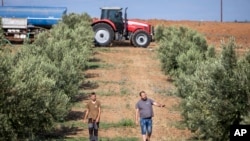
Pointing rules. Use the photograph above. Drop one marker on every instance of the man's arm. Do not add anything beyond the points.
(99, 114)
(86, 115)
(136, 116)
(158, 104)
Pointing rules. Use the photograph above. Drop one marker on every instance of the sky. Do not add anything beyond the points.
(194, 10)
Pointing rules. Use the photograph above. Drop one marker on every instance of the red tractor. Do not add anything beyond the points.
(112, 27)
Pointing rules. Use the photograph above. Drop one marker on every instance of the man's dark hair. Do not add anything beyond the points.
(93, 93)
(141, 92)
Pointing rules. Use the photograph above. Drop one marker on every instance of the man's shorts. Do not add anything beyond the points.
(146, 125)
(93, 124)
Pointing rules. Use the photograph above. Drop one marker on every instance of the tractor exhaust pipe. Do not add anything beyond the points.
(125, 22)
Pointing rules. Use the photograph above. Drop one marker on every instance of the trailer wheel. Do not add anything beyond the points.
(141, 39)
(104, 34)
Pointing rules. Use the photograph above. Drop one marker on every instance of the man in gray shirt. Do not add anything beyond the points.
(144, 110)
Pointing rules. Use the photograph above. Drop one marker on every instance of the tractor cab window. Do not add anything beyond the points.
(115, 16)
(112, 14)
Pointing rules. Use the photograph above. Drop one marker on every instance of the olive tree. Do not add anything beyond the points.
(180, 49)
(216, 95)
(38, 83)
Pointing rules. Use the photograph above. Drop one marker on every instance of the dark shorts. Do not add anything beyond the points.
(146, 125)
(93, 124)
(93, 130)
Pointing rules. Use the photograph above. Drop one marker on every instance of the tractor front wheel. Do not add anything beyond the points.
(141, 39)
(104, 34)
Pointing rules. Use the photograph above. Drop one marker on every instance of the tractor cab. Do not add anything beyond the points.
(114, 14)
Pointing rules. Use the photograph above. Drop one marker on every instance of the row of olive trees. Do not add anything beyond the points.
(38, 82)
(214, 89)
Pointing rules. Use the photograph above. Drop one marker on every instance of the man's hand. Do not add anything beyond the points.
(136, 122)
(160, 105)
(84, 121)
(97, 120)
(136, 116)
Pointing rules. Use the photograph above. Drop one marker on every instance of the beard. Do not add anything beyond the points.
(144, 99)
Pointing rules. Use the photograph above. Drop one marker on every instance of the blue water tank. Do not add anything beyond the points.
(36, 16)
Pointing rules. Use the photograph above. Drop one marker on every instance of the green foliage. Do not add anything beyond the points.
(73, 20)
(35, 103)
(248, 57)
(5, 71)
(181, 49)
(188, 62)
(126, 123)
(38, 83)
(122, 123)
(215, 91)
(216, 95)
(229, 60)
(159, 32)
(5, 90)
(69, 46)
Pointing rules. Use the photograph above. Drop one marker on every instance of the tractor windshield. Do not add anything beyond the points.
(114, 15)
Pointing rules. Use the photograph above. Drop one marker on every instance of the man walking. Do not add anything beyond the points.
(93, 114)
(145, 110)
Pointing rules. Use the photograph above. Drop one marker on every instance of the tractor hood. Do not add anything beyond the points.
(135, 23)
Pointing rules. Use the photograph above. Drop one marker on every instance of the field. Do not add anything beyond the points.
(215, 32)
(119, 72)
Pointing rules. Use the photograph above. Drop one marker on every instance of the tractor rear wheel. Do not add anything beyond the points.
(104, 34)
(141, 39)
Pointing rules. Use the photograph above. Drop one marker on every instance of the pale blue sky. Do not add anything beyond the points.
(206, 10)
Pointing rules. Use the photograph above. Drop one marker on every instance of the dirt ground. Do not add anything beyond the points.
(128, 70)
